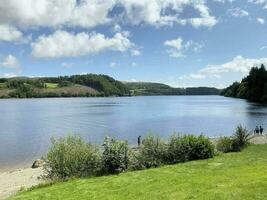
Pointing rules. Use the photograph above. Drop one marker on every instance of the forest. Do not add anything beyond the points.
(253, 87)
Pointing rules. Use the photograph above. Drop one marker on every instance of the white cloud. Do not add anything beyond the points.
(261, 20)
(10, 62)
(177, 47)
(9, 33)
(238, 65)
(91, 13)
(153, 12)
(238, 12)
(66, 44)
(54, 13)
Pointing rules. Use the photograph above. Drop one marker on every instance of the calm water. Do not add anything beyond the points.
(26, 125)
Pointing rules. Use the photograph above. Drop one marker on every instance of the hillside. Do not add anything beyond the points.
(148, 88)
(253, 87)
(64, 86)
(89, 85)
(229, 176)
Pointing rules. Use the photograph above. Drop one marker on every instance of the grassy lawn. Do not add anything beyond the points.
(51, 85)
(228, 176)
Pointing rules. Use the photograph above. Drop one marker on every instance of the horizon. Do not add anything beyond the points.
(179, 43)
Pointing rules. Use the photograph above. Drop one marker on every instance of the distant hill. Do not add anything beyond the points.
(253, 87)
(89, 85)
(65, 86)
(147, 88)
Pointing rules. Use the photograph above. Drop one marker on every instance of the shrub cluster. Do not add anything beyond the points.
(73, 157)
(235, 143)
(183, 148)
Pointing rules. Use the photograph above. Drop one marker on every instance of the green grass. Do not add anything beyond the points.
(51, 85)
(227, 176)
(2, 85)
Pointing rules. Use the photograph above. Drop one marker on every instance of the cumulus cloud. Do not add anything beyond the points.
(238, 12)
(85, 13)
(66, 44)
(91, 13)
(239, 64)
(154, 12)
(9, 33)
(10, 62)
(177, 47)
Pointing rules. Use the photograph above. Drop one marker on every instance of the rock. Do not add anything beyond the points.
(38, 163)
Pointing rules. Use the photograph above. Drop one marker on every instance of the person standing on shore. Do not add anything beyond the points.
(257, 130)
(261, 130)
(139, 141)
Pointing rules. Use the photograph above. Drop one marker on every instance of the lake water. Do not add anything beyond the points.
(26, 125)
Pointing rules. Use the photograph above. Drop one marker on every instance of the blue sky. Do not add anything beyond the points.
(177, 42)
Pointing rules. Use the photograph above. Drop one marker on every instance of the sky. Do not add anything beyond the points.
(177, 42)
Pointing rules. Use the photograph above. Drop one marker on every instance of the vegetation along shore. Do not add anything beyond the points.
(72, 157)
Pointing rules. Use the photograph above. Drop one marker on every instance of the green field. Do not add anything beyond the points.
(227, 176)
(51, 85)
(2, 85)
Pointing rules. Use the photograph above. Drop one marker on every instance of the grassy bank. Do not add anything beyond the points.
(227, 176)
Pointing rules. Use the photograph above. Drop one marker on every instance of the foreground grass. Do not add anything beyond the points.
(228, 176)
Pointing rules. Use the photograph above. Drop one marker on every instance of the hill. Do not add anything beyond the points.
(234, 176)
(253, 87)
(89, 85)
(148, 88)
(63, 86)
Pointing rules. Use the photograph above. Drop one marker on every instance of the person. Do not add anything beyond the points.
(139, 140)
(257, 130)
(261, 130)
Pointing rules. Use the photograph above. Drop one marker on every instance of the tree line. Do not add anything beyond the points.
(253, 87)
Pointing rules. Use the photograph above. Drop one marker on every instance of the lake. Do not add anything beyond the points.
(26, 125)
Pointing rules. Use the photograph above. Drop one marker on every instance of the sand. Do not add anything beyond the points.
(13, 181)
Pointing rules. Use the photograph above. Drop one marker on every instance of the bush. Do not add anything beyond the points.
(225, 144)
(152, 152)
(71, 157)
(189, 147)
(241, 138)
(115, 156)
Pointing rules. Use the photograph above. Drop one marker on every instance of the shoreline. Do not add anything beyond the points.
(12, 180)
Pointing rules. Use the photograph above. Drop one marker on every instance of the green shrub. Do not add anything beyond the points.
(152, 152)
(71, 157)
(225, 144)
(115, 156)
(183, 148)
(241, 138)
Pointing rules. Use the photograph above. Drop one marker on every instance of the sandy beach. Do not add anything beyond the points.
(13, 181)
